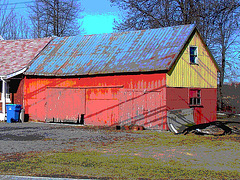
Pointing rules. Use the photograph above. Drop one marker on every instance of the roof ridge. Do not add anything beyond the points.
(129, 31)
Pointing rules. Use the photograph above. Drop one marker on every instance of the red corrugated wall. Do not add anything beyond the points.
(178, 98)
(105, 100)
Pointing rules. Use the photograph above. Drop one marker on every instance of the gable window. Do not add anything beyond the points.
(195, 97)
(193, 55)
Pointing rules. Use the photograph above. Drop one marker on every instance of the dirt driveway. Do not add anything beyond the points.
(88, 151)
(29, 137)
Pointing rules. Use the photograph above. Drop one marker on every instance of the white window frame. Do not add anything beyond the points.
(193, 55)
(196, 100)
(8, 99)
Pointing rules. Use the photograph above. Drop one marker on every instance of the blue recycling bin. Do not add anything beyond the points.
(13, 112)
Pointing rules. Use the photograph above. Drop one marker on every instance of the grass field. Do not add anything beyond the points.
(161, 155)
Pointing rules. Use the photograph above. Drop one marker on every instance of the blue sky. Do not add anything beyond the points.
(98, 14)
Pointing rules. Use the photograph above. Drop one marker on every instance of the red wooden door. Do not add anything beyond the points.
(197, 114)
(102, 106)
(155, 110)
(64, 104)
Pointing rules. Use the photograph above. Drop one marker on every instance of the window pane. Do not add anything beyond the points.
(194, 97)
(193, 93)
(191, 101)
(198, 101)
(192, 59)
(193, 54)
(191, 50)
(198, 93)
(195, 51)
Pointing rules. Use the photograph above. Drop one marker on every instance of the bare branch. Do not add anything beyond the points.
(55, 17)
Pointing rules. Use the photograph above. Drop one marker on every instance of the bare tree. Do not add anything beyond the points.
(217, 21)
(55, 18)
(225, 40)
(5, 17)
(12, 25)
(148, 14)
(18, 28)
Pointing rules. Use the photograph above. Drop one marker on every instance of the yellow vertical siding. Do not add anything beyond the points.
(184, 74)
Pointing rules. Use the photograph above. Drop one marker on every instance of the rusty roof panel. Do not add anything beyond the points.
(17, 54)
(134, 51)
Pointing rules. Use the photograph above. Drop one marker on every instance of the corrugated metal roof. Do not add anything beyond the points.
(17, 54)
(134, 51)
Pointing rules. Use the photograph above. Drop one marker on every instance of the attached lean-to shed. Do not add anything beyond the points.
(15, 55)
(123, 78)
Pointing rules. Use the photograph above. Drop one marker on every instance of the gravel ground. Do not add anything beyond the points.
(29, 137)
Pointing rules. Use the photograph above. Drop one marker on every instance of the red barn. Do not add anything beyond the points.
(123, 78)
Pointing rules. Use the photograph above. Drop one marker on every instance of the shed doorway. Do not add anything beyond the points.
(65, 104)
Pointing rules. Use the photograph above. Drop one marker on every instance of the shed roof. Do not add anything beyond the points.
(15, 55)
(133, 51)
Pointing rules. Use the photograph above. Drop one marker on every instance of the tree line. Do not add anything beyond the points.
(217, 21)
(45, 18)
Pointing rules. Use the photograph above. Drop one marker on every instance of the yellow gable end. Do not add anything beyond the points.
(202, 74)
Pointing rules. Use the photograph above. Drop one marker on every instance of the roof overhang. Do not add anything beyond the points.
(13, 74)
